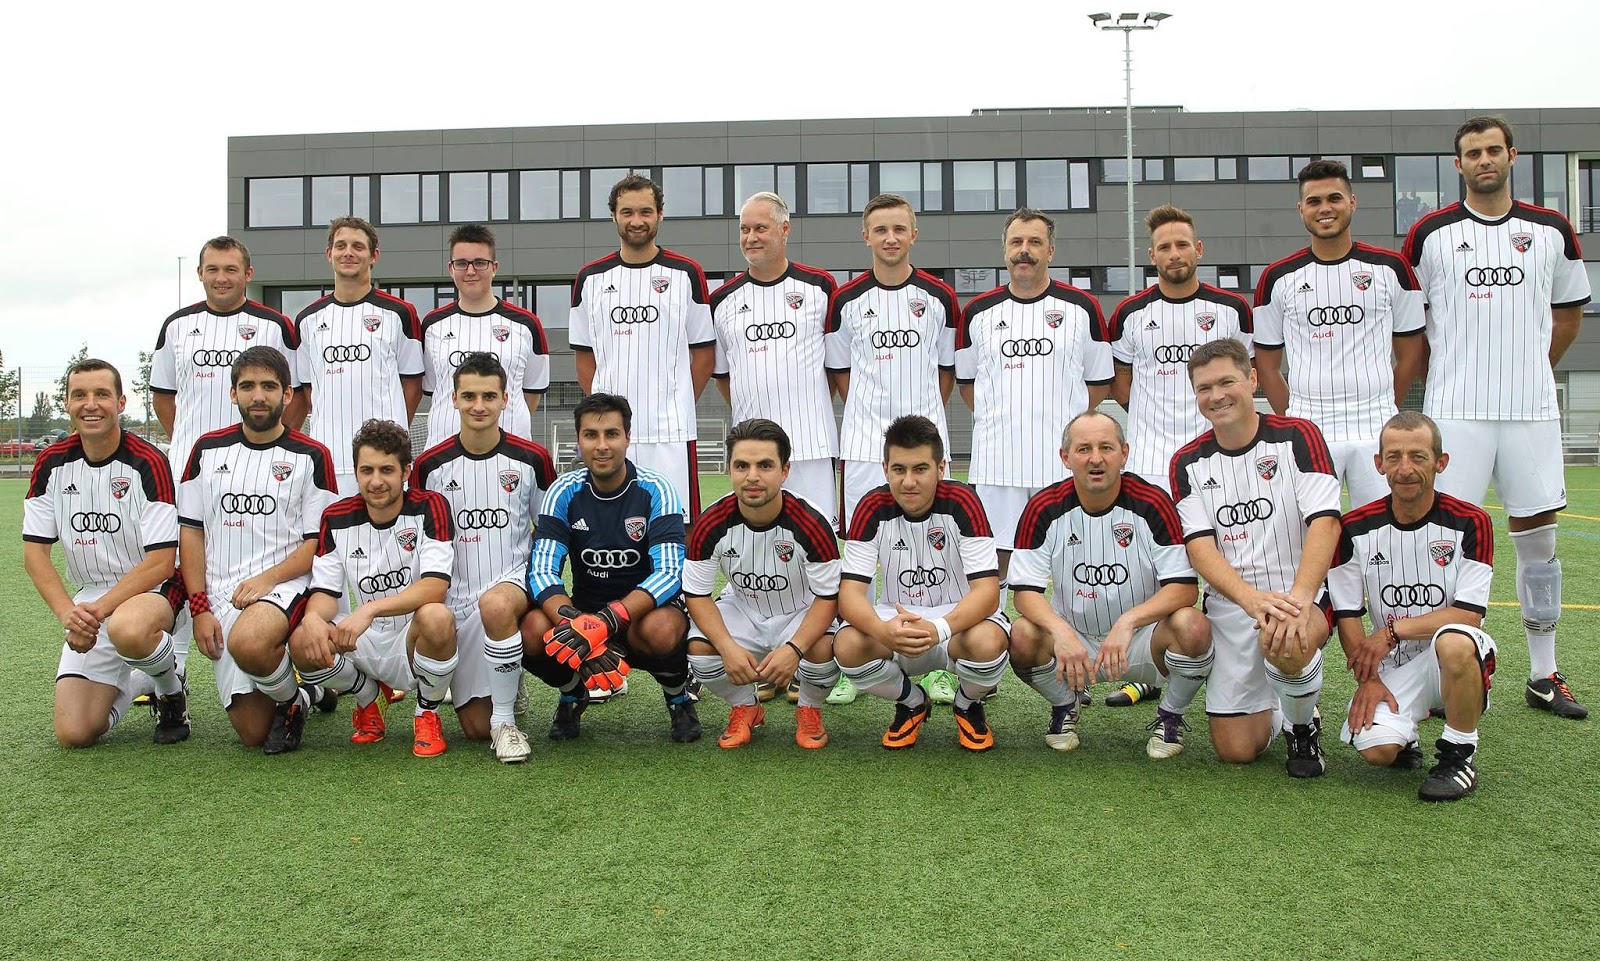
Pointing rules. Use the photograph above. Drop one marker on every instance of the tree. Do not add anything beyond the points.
(146, 360)
(61, 385)
(10, 390)
(39, 420)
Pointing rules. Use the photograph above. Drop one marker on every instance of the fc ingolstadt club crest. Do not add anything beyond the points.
(407, 539)
(1123, 533)
(784, 550)
(634, 527)
(1267, 467)
(510, 480)
(936, 538)
(1442, 552)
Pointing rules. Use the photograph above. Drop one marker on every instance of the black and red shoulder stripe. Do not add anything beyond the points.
(1043, 509)
(873, 509)
(1310, 449)
(431, 459)
(153, 468)
(1478, 539)
(1153, 504)
(962, 503)
(810, 527)
(711, 525)
(409, 322)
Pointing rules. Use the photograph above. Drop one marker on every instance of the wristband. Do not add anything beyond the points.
(1394, 639)
(199, 604)
(796, 648)
(942, 626)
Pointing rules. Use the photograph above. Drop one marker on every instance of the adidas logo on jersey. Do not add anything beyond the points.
(70, 489)
(1073, 541)
(323, 325)
(744, 308)
(730, 552)
(1378, 560)
(449, 335)
(1465, 248)
(1304, 289)
(221, 470)
(870, 313)
(1152, 325)
(195, 332)
(1210, 484)
(452, 486)
(610, 289)
(582, 525)
(358, 552)
(900, 545)
(1002, 325)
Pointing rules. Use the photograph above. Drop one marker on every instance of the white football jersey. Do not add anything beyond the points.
(640, 321)
(770, 350)
(353, 356)
(381, 560)
(893, 341)
(1030, 363)
(772, 571)
(1490, 285)
(926, 561)
(1155, 336)
(512, 334)
(1103, 565)
(1336, 323)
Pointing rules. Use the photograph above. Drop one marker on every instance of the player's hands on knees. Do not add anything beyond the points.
(741, 666)
(82, 620)
(778, 667)
(348, 631)
(250, 590)
(208, 634)
(1264, 606)
(577, 638)
(1072, 656)
(910, 634)
(313, 644)
(1113, 656)
(1369, 655)
(1364, 706)
(605, 671)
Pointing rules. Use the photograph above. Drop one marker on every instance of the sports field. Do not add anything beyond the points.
(625, 845)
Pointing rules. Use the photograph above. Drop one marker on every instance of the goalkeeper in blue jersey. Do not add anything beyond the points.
(621, 526)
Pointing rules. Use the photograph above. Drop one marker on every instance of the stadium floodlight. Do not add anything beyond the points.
(1127, 23)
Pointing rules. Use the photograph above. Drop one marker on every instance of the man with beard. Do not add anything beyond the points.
(640, 327)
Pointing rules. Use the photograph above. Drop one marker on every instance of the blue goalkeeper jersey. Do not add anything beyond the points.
(630, 538)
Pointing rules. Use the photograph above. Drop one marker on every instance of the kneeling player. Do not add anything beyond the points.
(782, 564)
(1123, 607)
(939, 609)
(394, 548)
(1421, 562)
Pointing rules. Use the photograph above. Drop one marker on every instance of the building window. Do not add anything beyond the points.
(1421, 186)
(754, 178)
(292, 301)
(1231, 278)
(1227, 168)
(1190, 170)
(552, 302)
(1269, 168)
(1115, 170)
(333, 197)
(1058, 185)
(837, 188)
(479, 196)
(1553, 182)
(550, 194)
(693, 191)
(985, 184)
(920, 183)
(277, 202)
(408, 198)
(1372, 168)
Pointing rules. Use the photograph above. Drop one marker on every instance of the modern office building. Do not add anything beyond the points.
(543, 190)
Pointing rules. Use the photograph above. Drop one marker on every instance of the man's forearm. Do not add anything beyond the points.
(1169, 599)
(146, 576)
(1322, 538)
(1219, 575)
(982, 600)
(46, 579)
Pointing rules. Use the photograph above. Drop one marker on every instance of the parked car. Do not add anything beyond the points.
(13, 448)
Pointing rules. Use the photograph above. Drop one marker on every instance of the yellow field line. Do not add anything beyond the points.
(1564, 607)
(1581, 517)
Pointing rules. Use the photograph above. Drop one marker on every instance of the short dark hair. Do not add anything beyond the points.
(1223, 347)
(90, 364)
(759, 428)
(604, 404)
(635, 182)
(1028, 213)
(911, 431)
(353, 223)
(1413, 420)
(224, 243)
(471, 234)
(1483, 125)
(481, 363)
(383, 436)
(1167, 214)
(265, 358)
(1324, 170)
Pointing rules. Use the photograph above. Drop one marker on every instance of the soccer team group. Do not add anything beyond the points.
(309, 566)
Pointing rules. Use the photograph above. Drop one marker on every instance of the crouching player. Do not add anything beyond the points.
(775, 617)
(394, 548)
(1124, 597)
(939, 609)
(493, 482)
(1420, 561)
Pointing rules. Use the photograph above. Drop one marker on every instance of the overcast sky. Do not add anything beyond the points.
(118, 114)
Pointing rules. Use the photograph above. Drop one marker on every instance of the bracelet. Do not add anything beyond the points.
(1394, 639)
(199, 604)
(796, 648)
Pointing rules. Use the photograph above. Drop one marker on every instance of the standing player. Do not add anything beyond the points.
(480, 321)
(494, 482)
(775, 617)
(107, 496)
(622, 527)
(1124, 596)
(1260, 508)
(249, 502)
(394, 549)
(1421, 563)
(360, 349)
(769, 323)
(1030, 356)
(938, 609)
(641, 327)
(1153, 334)
(1506, 286)
(1339, 309)
(890, 344)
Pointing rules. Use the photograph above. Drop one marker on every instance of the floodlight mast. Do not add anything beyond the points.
(1127, 23)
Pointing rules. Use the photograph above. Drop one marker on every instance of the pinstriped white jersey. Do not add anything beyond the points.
(1103, 565)
(107, 516)
(639, 321)
(1395, 570)
(512, 334)
(194, 358)
(893, 341)
(926, 561)
(1336, 323)
(1490, 286)
(1155, 336)
(493, 500)
(256, 502)
(770, 349)
(1030, 363)
(772, 571)
(381, 560)
(353, 356)
(1257, 501)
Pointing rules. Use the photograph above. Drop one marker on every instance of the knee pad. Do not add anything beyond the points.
(1539, 591)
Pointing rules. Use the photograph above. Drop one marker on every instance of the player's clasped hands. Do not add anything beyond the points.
(82, 624)
(778, 667)
(314, 647)
(910, 634)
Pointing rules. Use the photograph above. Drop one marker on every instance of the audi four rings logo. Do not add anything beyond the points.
(1494, 276)
(608, 560)
(1028, 347)
(94, 523)
(1100, 575)
(457, 356)
(759, 582)
(476, 520)
(1412, 595)
(387, 581)
(215, 358)
(924, 577)
(346, 353)
(1237, 515)
(635, 315)
(895, 338)
(1174, 353)
(778, 331)
(261, 505)
(1329, 316)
